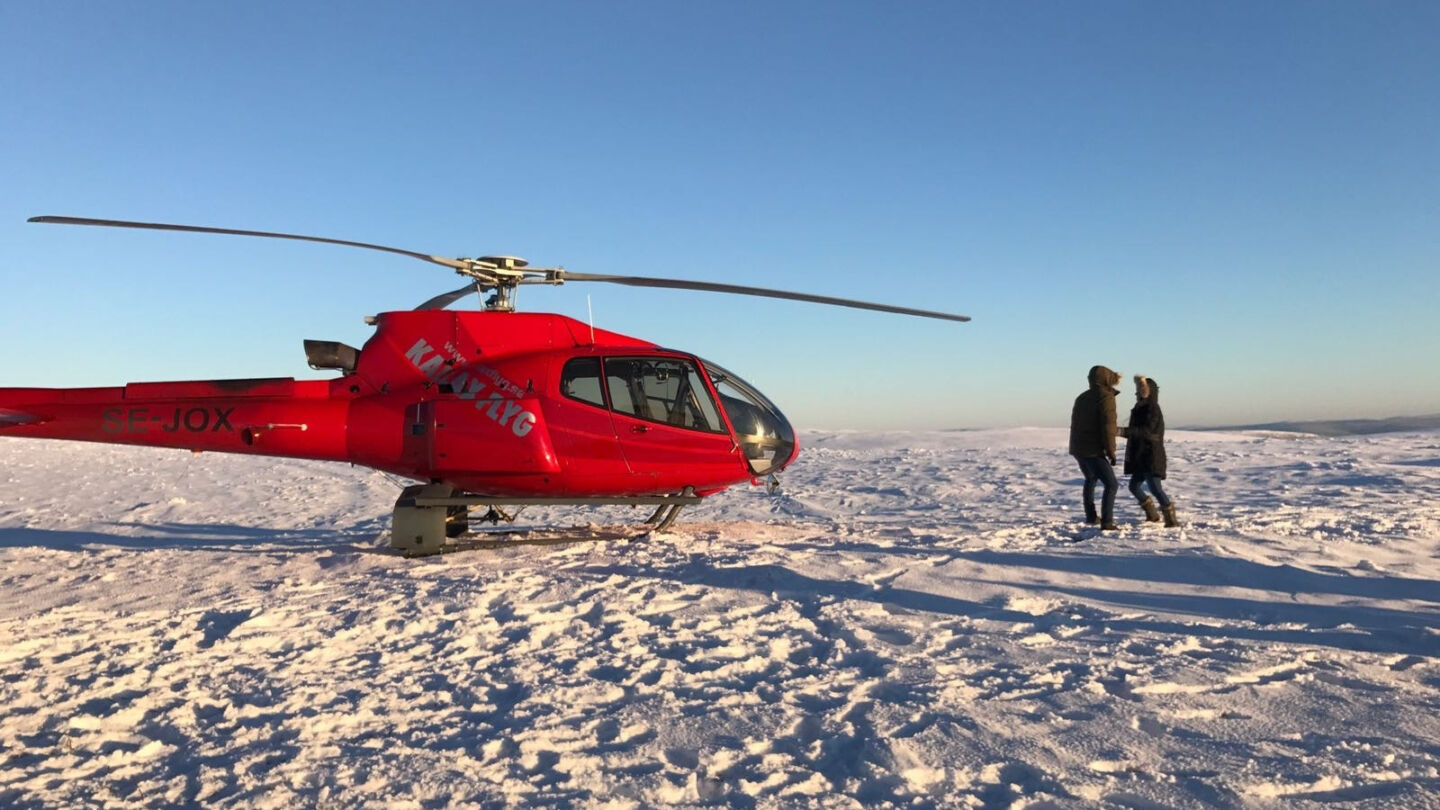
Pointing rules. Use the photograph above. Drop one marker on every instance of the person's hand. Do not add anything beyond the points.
(1112, 459)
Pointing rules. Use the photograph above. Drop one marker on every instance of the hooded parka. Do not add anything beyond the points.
(1145, 436)
(1092, 420)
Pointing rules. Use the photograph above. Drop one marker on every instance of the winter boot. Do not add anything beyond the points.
(1171, 522)
(1091, 518)
(1152, 514)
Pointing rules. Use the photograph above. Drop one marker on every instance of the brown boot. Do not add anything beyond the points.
(1171, 522)
(1152, 513)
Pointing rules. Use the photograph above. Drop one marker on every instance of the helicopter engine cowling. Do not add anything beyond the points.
(500, 447)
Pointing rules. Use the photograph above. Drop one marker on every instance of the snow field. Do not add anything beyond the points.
(910, 623)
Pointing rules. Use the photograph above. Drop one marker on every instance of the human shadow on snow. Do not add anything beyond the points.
(790, 585)
(1346, 627)
(1206, 571)
(1218, 572)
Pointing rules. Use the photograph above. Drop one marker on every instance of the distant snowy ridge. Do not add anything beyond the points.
(1347, 427)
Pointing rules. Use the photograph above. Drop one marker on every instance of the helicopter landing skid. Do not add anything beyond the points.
(427, 515)
(489, 540)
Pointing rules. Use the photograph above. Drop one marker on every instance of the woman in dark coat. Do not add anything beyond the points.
(1145, 452)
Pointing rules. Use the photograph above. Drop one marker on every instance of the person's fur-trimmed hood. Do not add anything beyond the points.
(1100, 376)
(1147, 388)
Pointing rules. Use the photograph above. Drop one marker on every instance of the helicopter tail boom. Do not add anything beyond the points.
(278, 417)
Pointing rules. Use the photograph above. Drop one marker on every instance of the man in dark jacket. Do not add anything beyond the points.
(1092, 443)
(1145, 452)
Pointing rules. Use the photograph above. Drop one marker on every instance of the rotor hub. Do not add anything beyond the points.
(506, 262)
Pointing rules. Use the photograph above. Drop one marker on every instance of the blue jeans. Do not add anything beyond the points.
(1145, 479)
(1099, 469)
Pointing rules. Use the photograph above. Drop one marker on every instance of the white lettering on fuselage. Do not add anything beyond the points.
(495, 399)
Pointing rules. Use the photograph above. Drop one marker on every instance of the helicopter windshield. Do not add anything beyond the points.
(762, 431)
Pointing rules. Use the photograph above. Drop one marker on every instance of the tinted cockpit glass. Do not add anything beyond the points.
(661, 389)
(580, 380)
(762, 431)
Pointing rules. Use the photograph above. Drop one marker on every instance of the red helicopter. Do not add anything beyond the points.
(490, 408)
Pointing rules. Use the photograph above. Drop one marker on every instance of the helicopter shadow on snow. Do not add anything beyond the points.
(207, 537)
(1356, 628)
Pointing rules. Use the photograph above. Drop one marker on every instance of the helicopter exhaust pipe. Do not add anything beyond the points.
(12, 418)
(23, 407)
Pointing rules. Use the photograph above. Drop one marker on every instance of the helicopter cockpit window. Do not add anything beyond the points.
(580, 379)
(662, 389)
(763, 432)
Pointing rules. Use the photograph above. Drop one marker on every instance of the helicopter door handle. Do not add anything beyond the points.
(639, 429)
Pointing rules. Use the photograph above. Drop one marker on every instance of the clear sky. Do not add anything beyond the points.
(1241, 200)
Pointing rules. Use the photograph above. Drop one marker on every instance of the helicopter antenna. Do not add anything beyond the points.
(591, 313)
(502, 275)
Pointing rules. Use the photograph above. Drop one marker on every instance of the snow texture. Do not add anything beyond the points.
(911, 622)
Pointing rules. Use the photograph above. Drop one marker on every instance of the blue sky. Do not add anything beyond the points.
(1238, 199)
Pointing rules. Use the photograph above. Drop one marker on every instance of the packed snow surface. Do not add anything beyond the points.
(916, 620)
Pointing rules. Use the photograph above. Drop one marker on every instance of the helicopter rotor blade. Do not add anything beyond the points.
(161, 226)
(706, 286)
(508, 277)
(444, 300)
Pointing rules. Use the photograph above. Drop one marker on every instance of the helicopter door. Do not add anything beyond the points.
(669, 427)
(582, 430)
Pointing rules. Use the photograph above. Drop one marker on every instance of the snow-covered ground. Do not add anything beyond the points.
(909, 623)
